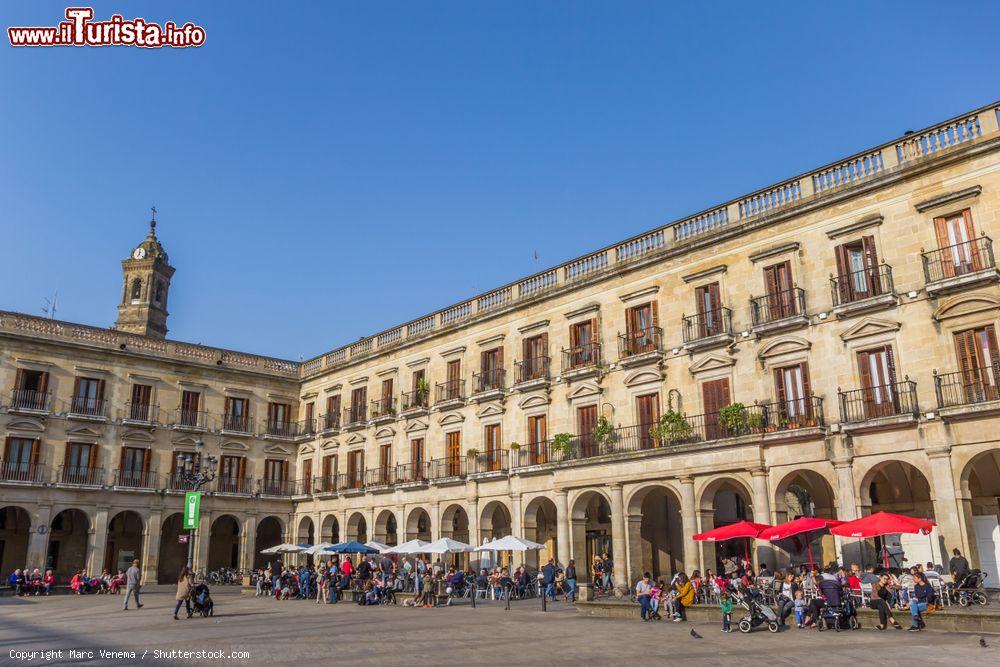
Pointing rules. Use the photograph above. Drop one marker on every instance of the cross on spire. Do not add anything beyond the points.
(152, 223)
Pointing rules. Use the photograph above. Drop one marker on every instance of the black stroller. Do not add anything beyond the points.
(201, 601)
(971, 589)
(757, 611)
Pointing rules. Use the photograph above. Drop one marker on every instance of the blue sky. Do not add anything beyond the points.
(333, 169)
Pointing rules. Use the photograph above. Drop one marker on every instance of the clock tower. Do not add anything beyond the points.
(147, 273)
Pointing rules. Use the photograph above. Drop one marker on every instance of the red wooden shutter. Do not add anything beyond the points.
(941, 230)
(43, 382)
(595, 340)
(100, 393)
(574, 336)
(146, 456)
(655, 310)
(18, 379)
(864, 370)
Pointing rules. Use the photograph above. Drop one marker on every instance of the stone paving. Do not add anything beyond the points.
(303, 633)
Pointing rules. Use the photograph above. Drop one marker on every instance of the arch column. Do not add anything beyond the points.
(634, 560)
(151, 547)
(202, 538)
(948, 511)
(38, 542)
(847, 505)
(563, 551)
(435, 521)
(516, 526)
(400, 526)
(247, 540)
(689, 523)
(474, 537)
(619, 538)
(98, 541)
(706, 522)
(762, 514)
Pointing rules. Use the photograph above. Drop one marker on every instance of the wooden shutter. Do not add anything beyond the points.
(779, 386)
(100, 394)
(43, 382)
(864, 370)
(595, 341)
(655, 310)
(146, 456)
(574, 336)
(19, 379)
(941, 230)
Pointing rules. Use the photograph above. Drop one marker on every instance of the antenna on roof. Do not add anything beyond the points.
(50, 306)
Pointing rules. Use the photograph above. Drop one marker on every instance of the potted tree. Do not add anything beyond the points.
(604, 433)
(561, 443)
(672, 427)
(734, 418)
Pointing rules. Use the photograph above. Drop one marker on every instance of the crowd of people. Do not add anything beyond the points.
(23, 583)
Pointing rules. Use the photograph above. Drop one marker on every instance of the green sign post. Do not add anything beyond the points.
(192, 505)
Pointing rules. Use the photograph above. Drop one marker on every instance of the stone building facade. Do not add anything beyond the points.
(825, 346)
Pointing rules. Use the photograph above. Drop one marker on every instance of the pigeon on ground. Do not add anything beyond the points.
(982, 642)
(695, 634)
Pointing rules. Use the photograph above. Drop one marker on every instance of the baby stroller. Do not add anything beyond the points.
(201, 601)
(971, 589)
(757, 611)
(843, 616)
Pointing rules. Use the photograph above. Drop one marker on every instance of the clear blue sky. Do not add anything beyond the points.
(333, 169)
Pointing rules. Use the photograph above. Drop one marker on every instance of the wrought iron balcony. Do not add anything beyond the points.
(970, 387)
(327, 484)
(450, 390)
(234, 485)
(383, 407)
(582, 357)
(959, 265)
(448, 467)
(778, 307)
(862, 285)
(380, 476)
(135, 479)
(278, 487)
(355, 415)
(83, 406)
(408, 473)
(490, 379)
(532, 369)
(415, 400)
(140, 413)
(640, 342)
(330, 421)
(193, 420)
(29, 400)
(237, 423)
(20, 471)
(351, 481)
(179, 482)
(890, 400)
(707, 326)
(80, 476)
(277, 428)
(495, 460)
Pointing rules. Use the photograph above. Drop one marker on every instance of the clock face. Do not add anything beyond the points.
(139, 253)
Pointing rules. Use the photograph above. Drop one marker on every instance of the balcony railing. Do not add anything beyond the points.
(135, 479)
(889, 400)
(383, 407)
(190, 419)
(415, 400)
(976, 385)
(233, 485)
(419, 471)
(177, 482)
(327, 484)
(959, 260)
(381, 476)
(584, 356)
(330, 421)
(354, 415)
(532, 368)
(450, 390)
(29, 399)
(707, 324)
(861, 285)
(277, 487)
(348, 481)
(237, 423)
(19, 471)
(450, 466)
(142, 413)
(490, 379)
(282, 429)
(640, 341)
(80, 475)
(495, 460)
(778, 306)
(88, 407)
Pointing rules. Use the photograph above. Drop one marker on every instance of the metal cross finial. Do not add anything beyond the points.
(152, 223)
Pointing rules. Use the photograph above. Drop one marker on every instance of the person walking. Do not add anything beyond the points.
(133, 580)
(185, 584)
(549, 578)
(608, 566)
(571, 582)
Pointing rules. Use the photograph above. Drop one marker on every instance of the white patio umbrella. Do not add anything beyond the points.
(446, 545)
(378, 546)
(283, 549)
(489, 554)
(317, 548)
(411, 547)
(511, 543)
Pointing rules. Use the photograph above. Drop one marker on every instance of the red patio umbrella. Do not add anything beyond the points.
(803, 525)
(883, 523)
(733, 531)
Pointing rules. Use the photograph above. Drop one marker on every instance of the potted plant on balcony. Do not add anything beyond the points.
(514, 446)
(755, 420)
(561, 443)
(472, 452)
(604, 433)
(672, 427)
(734, 418)
(423, 391)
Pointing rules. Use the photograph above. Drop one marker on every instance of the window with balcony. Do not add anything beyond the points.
(358, 409)
(310, 421)
(584, 345)
(419, 394)
(237, 416)
(491, 371)
(535, 364)
(140, 408)
(795, 407)
(879, 395)
(355, 468)
(491, 439)
(279, 419)
(190, 413)
(385, 405)
(329, 481)
(331, 420)
(232, 474)
(306, 476)
(88, 397)
(80, 464)
(453, 388)
(133, 468)
(586, 420)
(384, 464)
(20, 460)
(647, 408)
(30, 390)
(537, 436)
(453, 452)
(958, 250)
(715, 396)
(177, 481)
(709, 304)
(642, 330)
(979, 368)
(275, 477)
(858, 274)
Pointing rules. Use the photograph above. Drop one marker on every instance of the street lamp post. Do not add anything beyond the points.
(195, 474)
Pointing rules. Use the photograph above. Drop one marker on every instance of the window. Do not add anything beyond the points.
(979, 363)
(586, 420)
(537, 434)
(159, 292)
(136, 290)
(79, 464)
(384, 405)
(709, 304)
(715, 396)
(307, 473)
(332, 417)
(453, 443)
(536, 358)
(355, 468)
(232, 473)
(780, 302)
(237, 416)
(139, 406)
(30, 390)
(956, 237)
(133, 469)
(310, 416)
(641, 333)
(857, 270)
(491, 436)
(359, 397)
(190, 406)
(453, 385)
(647, 409)
(416, 459)
(19, 460)
(794, 402)
(279, 419)
(584, 344)
(88, 397)
(275, 476)
(878, 382)
(384, 463)
(329, 473)
(491, 370)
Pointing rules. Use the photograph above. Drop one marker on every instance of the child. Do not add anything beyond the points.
(655, 594)
(800, 608)
(727, 611)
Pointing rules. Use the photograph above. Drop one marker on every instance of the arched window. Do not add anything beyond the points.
(137, 289)
(159, 291)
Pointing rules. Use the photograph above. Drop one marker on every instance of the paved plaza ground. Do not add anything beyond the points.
(302, 633)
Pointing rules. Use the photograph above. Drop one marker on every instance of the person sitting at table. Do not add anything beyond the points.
(523, 582)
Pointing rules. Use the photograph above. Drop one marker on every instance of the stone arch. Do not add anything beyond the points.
(224, 542)
(590, 530)
(655, 531)
(268, 534)
(330, 529)
(804, 492)
(306, 533)
(980, 485)
(540, 525)
(455, 524)
(69, 534)
(124, 541)
(900, 487)
(357, 527)
(386, 531)
(173, 554)
(15, 534)
(494, 521)
(418, 525)
(724, 500)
